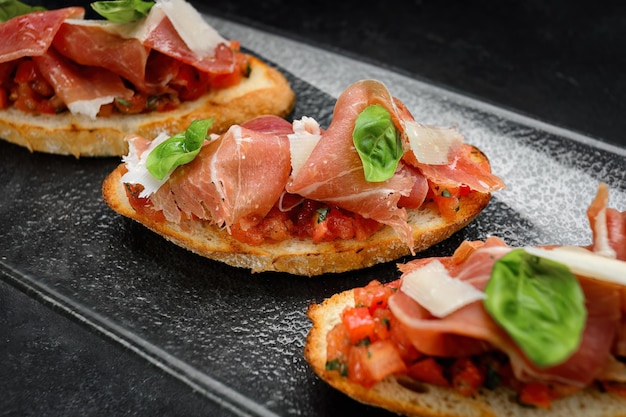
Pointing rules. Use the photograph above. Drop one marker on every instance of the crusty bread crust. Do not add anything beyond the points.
(405, 396)
(266, 91)
(302, 257)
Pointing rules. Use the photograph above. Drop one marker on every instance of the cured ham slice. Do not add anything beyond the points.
(92, 45)
(82, 89)
(462, 171)
(226, 183)
(165, 39)
(334, 171)
(32, 34)
(608, 226)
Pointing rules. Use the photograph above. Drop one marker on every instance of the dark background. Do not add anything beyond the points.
(563, 62)
(560, 62)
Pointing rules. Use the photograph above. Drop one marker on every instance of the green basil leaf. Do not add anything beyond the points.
(378, 143)
(178, 150)
(539, 303)
(12, 8)
(122, 11)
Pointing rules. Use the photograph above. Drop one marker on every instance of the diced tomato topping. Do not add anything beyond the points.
(428, 370)
(536, 394)
(30, 92)
(330, 223)
(338, 344)
(137, 104)
(141, 204)
(276, 226)
(382, 323)
(359, 324)
(447, 198)
(309, 219)
(464, 190)
(373, 296)
(190, 83)
(370, 364)
(466, 376)
(448, 205)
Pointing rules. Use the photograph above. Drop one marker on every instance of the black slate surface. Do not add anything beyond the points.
(558, 63)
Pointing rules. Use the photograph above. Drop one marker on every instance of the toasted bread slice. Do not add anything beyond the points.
(266, 91)
(303, 257)
(405, 396)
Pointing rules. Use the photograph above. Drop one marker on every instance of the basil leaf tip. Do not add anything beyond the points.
(13, 8)
(539, 303)
(178, 150)
(377, 142)
(122, 11)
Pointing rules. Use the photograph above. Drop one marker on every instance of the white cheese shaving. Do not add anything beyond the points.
(306, 136)
(435, 290)
(139, 29)
(197, 34)
(585, 263)
(432, 144)
(136, 165)
(89, 108)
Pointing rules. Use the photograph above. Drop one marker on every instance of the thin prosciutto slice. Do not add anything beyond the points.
(608, 226)
(462, 170)
(79, 86)
(229, 181)
(334, 172)
(32, 34)
(91, 45)
(165, 39)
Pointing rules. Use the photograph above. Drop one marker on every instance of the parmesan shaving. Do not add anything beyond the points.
(435, 290)
(89, 108)
(432, 144)
(585, 263)
(136, 165)
(305, 138)
(201, 38)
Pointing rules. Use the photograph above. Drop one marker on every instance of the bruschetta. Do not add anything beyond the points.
(491, 330)
(274, 195)
(76, 86)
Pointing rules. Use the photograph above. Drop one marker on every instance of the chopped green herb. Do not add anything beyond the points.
(492, 378)
(123, 101)
(364, 342)
(337, 365)
(322, 213)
